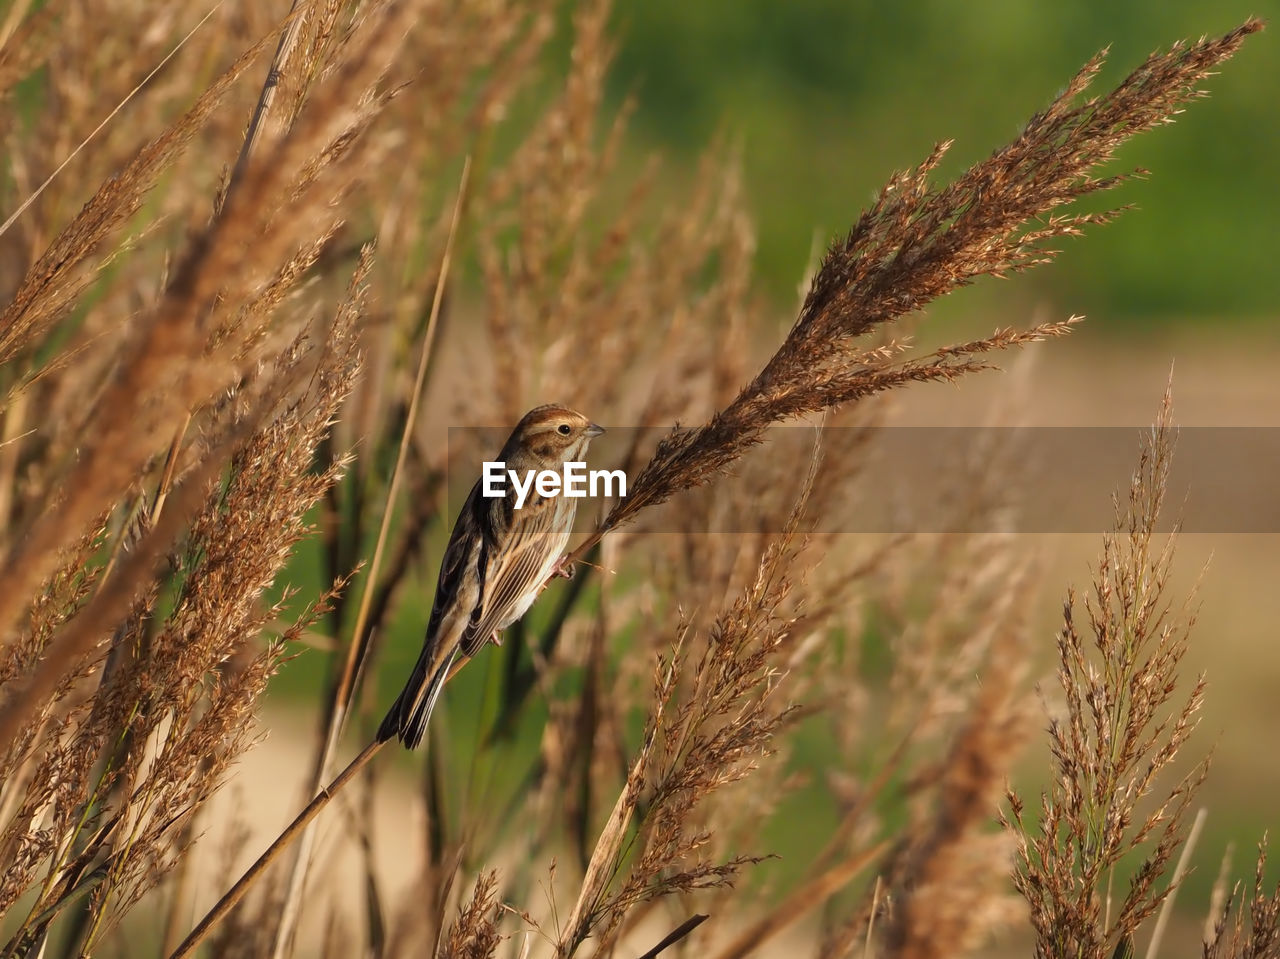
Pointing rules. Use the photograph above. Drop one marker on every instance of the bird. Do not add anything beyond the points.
(495, 563)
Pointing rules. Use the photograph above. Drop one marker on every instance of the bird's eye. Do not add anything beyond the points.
(563, 429)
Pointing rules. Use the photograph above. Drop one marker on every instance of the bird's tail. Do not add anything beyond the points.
(408, 716)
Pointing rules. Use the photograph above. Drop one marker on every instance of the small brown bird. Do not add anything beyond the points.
(498, 557)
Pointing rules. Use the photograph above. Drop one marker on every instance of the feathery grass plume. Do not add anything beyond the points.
(474, 933)
(186, 728)
(157, 773)
(173, 756)
(691, 576)
(1122, 727)
(63, 273)
(181, 355)
(918, 242)
(889, 680)
(695, 743)
(1227, 938)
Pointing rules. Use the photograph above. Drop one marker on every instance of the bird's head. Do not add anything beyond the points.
(552, 434)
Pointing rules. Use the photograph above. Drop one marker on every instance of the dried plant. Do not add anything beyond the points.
(918, 242)
(474, 932)
(230, 318)
(1121, 730)
(691, 747)
(1227, 937)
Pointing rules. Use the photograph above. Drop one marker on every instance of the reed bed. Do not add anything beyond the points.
(252, 268)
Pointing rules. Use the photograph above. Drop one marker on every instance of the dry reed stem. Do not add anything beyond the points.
(291, 832)
(35, 194)
(357, 647)
(1120, 731)
(16, 15)
(1218, 896)
(1179, 870)
(279, 63)
(800, 902)
(608, 847)
(50, 284)
(675, 935)
(1261, 940)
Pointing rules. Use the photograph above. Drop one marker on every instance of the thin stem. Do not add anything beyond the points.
(35, 194)
(267, 96)
(1166, 908)
(807, 897)
(291, 832)
(359, 644)
(283, 50)
(680, 932)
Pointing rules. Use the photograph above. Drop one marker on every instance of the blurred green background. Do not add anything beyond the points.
(826, 98)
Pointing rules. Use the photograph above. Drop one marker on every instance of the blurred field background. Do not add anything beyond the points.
(814, 105)
(823, 99)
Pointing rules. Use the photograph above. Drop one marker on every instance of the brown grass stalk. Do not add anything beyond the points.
(1179, 870)
(799, 903)
(56, 279)
(111, 605)
(919, 242)
(1258, 938)
(291, 832)
(357, 647)
(35, 194)
(1120, 732)
(270, 86)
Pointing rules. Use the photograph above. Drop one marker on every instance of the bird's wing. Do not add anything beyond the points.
(516, 570)
(457, 603)
(461, 583)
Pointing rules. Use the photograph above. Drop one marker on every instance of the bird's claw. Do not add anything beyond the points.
(564, 569)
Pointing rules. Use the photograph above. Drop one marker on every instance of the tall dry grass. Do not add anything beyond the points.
(230, 322)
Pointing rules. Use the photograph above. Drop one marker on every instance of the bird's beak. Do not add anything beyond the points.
(593, 430)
